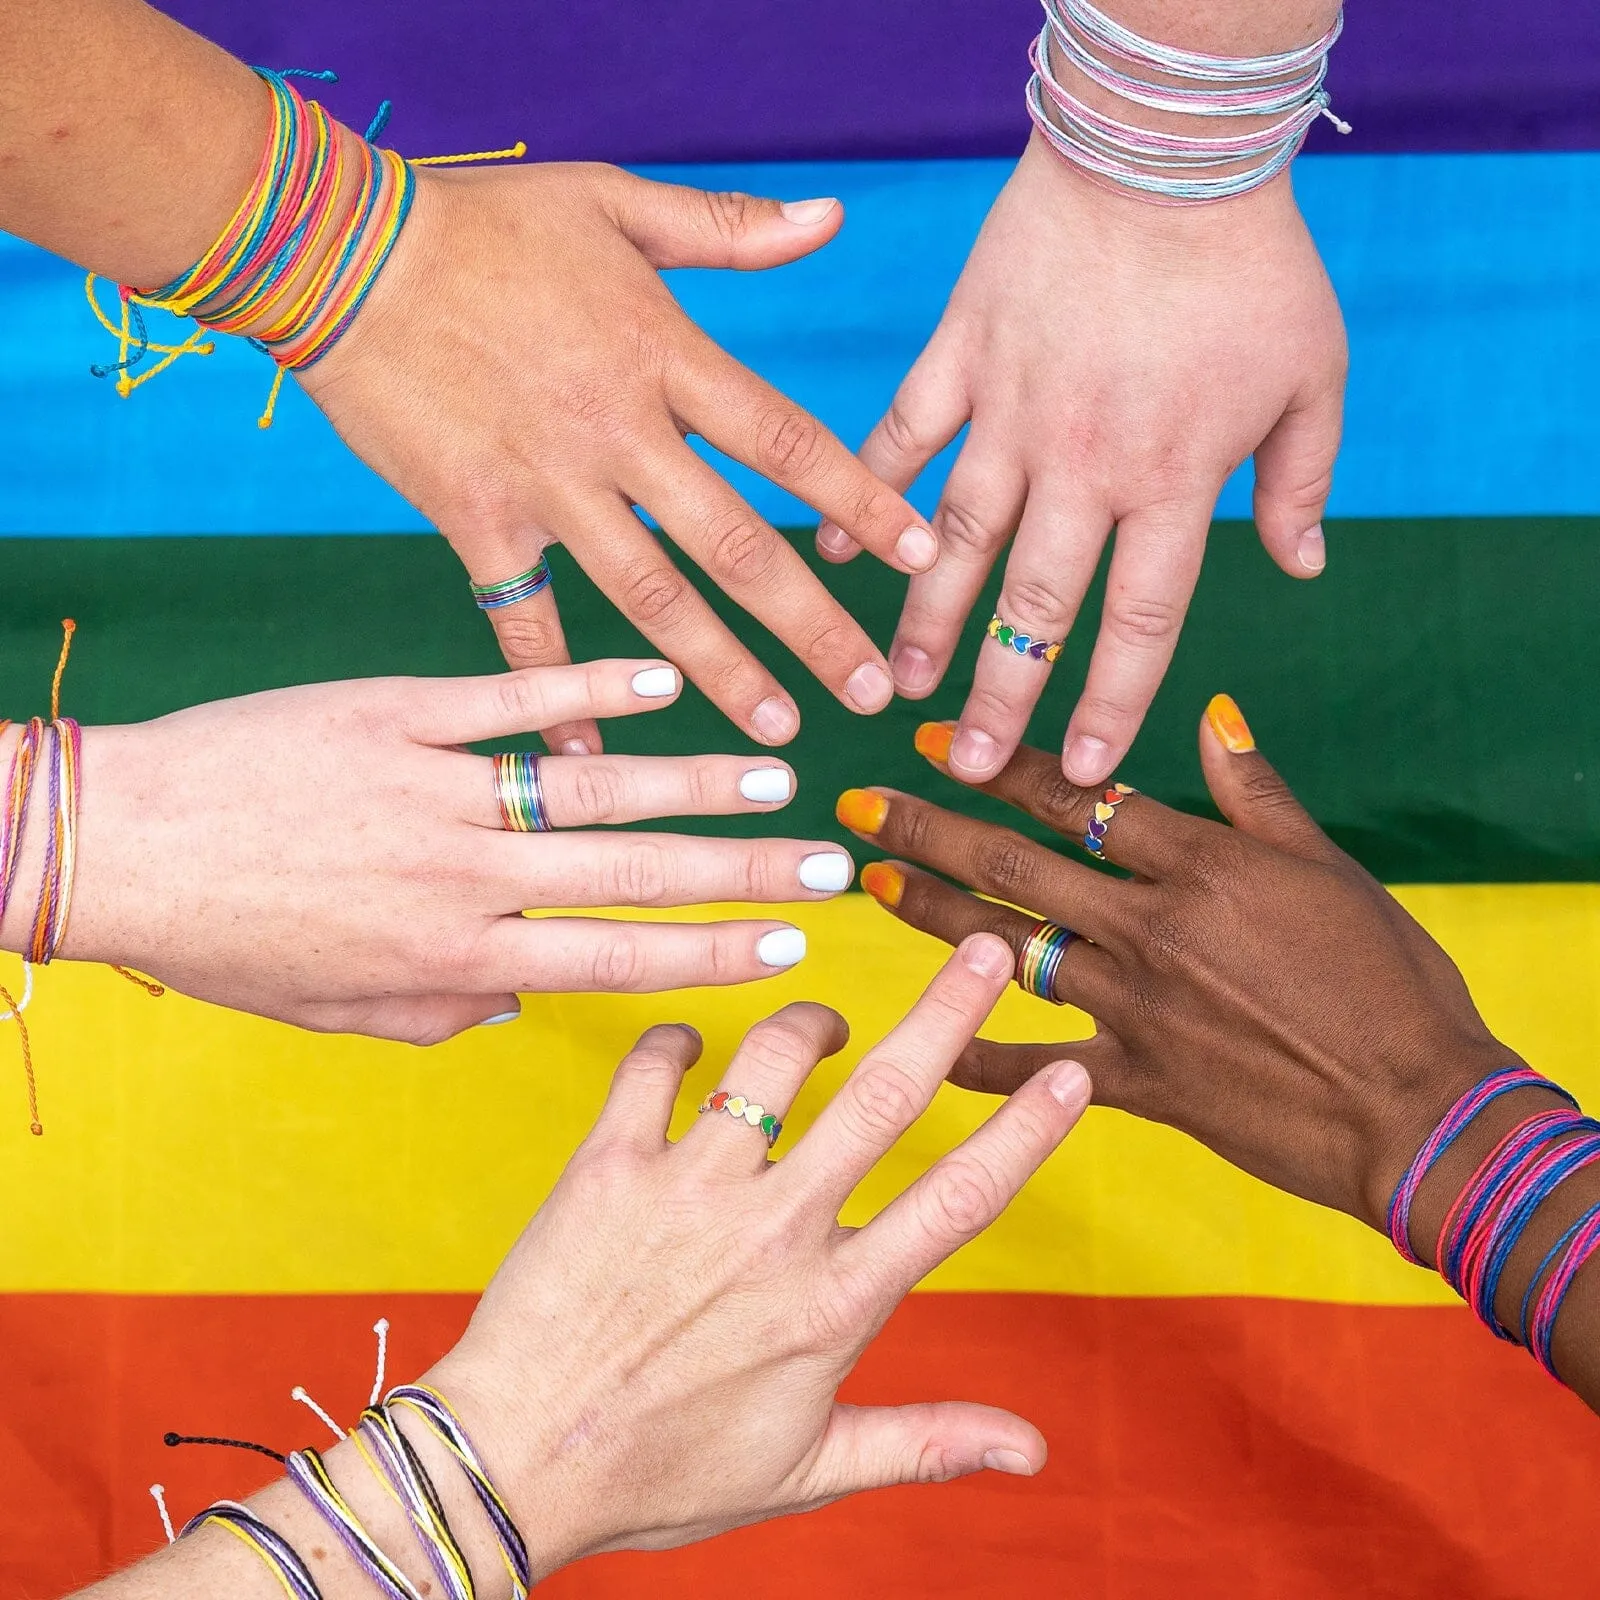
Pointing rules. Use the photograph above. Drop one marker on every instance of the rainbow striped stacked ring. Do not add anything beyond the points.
(1022, 643)
(1040, 960)
(519, 792)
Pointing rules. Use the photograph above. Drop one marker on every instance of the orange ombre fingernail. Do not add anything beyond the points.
(933, 741)
(861, 810)
(1227, 722)
(884, 883)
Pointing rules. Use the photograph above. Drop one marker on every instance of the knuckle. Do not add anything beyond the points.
(728, 212)
(779, 1044)
(601, 793)
(526, 640)
(1007, 866)
(789, 443)
(638, 875)
(882, 1100)
(518, 699)
(902, 433)
(829, 639)
(617, 965)
(1142, 622)
(963, 1197)
(738, 550)
(656, 596)
(961, 530)
(1062, 801)
(1033, 598)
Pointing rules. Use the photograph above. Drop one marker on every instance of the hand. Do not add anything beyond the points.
(1117, 361)
(523, 376)
(657, 1360)
(328, 856)
(1251, 985)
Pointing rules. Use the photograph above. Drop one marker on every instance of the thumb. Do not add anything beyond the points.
(674, 226)
(873, 1447)
(1248, 790)
(1294, 474)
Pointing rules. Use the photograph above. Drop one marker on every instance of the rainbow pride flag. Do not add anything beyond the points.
(1244, 1395)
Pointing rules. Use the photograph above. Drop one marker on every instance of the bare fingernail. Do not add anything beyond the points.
(579, 747)
(1313, 549)
(1087, 760)
(775, 721)
(1068, 1083)
(1227, 722)
(988, 955)
(767, 786)
(886, 884)
(806, 213)
(974, 754)
(869, 688)
(917, 548)
(1011, 1461)
(655, 683)
(832, 539)
(498, 1018)
(783, 947)
(827, 872)
(913, 669)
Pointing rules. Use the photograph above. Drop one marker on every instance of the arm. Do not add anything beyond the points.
(1251, 986)
(1116, 360)
(681, 1380)
(519, 372)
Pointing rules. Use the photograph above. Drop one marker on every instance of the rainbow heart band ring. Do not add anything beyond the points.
(746, 1111)
(1105, 808)
(1039, 649)
(1040, 960)
(520, 793)
(491, 596)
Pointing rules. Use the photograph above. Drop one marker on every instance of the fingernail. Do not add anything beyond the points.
(1313, 549)
(917, 548)
(1088, 760)
(498, 1018)
(1010, 1461)
(767, 786)
(655, 683)
(861, 810)
(827, 872)
(974, 754)
(1068, 1083)
(578, 747)
(833, 539)
(913, 669)
(989, 956)
(934, 739)
(869, 688)
(775, 720)
(884, 883)
(1227, 722)
(804, 213)
(783, 947)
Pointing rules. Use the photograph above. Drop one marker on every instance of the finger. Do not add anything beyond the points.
(930, 408)
(977, 513)
(631, 569)
(452, 711)
(644, 869)
(1086, 976)
(993, 860)
(1051, 566)
(763, 1078)
(961, 1195)
(420, 1019)
(592, 955)
(755, 566)
(588, 791)
(1141, 834)
(897, 1079)
(1248, 790)
(989, 1067)
(1294, 476)
(746, 418)
(676, 226)
(645, 1087)
(1154, 569)
(529, 633)
(874, 1447)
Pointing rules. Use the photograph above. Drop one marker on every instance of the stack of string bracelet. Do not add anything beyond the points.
(1274, 98)
(298, 257)
(1486, 1223)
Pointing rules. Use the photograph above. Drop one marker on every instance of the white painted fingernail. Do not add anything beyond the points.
(655, 683)
(495, 1021)
(827, 872)
(783, 947)
(767, 786)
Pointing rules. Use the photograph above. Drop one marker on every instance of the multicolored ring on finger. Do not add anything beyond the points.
(492, 596)
(1105, 808)
(1040, 960)
(519, 792)
(746, 1111)
(1024, 645)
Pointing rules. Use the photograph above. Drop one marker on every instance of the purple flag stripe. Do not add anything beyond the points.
(759, 80)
